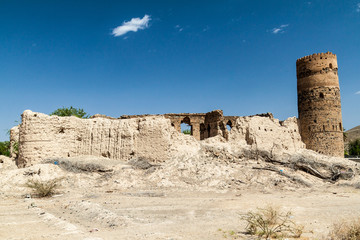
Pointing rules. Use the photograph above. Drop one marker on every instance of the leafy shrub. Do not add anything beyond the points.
(354, 147)
(270, 223)
(5, 148)
(345, 231)
(64, 112)
(187, 131)
(43, 188)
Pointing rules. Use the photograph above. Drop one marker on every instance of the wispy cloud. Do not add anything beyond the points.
(358, 7)
(358, 92)
(205, 29)
(280, 29)
(179, 28)
(133, 25)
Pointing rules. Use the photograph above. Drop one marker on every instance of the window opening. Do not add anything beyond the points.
(229, 125)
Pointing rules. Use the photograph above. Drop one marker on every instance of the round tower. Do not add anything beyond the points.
(319, 104)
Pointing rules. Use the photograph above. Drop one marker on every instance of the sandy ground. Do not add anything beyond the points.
(100, 213)
(185, 198)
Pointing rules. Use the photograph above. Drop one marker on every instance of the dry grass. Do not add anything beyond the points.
(349, 230)
(269, 223)
(43, 188)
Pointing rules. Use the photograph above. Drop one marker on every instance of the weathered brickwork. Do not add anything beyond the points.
(319, 104)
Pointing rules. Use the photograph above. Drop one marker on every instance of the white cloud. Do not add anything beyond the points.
(279, 29)
(205, 29)
(358, 92)
(179, 28)
(133, 25)
(358, 7)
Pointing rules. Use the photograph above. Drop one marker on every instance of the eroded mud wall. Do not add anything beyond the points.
(43, 136)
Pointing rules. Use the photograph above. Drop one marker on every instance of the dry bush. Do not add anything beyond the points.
(346, 231)
(270, 223)
(43, 188)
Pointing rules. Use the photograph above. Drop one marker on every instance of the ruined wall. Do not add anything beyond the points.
(266, 133)
(43, 136)
(214, 124)
(193, 119)
(151, 137)
(319, 103)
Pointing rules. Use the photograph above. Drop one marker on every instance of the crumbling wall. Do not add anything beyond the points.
(214, 124)
(151, 137)
(43, 136)
(261, 133)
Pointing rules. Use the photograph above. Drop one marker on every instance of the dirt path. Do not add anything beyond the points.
(111, 214)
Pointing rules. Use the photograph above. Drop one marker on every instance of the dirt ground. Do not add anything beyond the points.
(196, 197)
(167, 213)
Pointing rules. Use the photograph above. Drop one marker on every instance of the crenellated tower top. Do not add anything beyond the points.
(317, 56)
(311, 71)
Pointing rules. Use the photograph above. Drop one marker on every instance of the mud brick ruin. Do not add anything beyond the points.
(319, 104)
(202, 125)
(156, 137)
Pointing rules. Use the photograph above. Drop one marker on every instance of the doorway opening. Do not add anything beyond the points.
(186, 127)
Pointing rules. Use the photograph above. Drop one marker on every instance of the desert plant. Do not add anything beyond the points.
(270, 223)
(345, 230)
(71, 111)
(43, 188)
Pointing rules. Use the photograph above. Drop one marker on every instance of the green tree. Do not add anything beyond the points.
(71, 111)
(187, 131)
(5, 148)
(354, 147)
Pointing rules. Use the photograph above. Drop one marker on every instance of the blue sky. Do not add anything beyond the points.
(179, 56)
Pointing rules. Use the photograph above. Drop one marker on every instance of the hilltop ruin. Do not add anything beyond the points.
(155, 137)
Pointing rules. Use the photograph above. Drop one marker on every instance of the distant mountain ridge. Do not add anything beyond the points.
(353, 134)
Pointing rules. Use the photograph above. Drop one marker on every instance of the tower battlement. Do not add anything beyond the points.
(317, 70)
(317, 56)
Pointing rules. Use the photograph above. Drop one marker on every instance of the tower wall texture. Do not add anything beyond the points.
(319, 104)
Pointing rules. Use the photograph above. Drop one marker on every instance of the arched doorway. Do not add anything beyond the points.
(186, 126)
